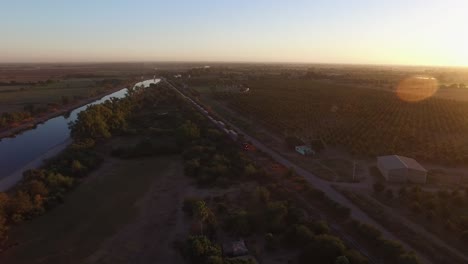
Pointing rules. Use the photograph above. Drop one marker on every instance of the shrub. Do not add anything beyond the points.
(355, 257)
(200, 249)
(391, 250)
(408, 258)
(324, 249)
(239, 223)
(320, 227)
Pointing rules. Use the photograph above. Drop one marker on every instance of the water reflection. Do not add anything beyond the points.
(18, 151)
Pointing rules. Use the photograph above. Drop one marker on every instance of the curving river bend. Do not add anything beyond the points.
(28, 149)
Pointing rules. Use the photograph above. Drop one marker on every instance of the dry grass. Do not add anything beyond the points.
(98, 210)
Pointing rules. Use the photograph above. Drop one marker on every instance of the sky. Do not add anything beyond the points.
(402, 32)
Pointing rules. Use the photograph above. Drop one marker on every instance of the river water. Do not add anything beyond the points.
(26, 149)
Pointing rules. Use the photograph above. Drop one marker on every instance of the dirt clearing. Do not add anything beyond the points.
(129, 211)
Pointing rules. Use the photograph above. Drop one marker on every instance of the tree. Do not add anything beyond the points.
(324, 249)
(57, 182)
(3, 203)
(36, 187)
(320, 227)
(215, 260)
(369, 232)
(391, 250)
(240, 223)
(188, 131)
(408, 258)
(262, 195)
(77, 168)
(3, 229)
(271, 241)
(342, 260)
(20, 206)
(192, 167)
(355, 257)
(200, 249)
(275, 215)
(302, 235)
(250, 170)
(202, 212)
(92, 124)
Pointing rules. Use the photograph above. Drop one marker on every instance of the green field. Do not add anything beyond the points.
(94, 212)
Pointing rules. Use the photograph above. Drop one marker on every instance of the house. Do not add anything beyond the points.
(304, 150)
(397, 168)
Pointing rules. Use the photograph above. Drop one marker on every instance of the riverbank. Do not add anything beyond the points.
(12, 179)
(13, 131)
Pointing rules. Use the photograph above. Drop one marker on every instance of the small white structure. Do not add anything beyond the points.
(304, 150)
(401, 169)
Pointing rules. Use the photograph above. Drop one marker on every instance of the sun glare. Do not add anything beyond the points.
(417, 88)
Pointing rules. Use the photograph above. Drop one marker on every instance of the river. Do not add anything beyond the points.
(28, 149)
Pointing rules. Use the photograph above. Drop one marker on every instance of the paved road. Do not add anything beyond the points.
(318, 183)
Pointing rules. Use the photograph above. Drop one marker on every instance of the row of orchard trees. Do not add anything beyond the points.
(266, 211)
(367, 122)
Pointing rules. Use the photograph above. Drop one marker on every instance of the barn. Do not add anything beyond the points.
(397, 168)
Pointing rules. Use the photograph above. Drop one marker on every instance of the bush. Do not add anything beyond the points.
(355, 257)
(369, 231)
(342, 260)
(391, 250)
(298, 236)
(320, 227)
(239, 223)
(271, 242)
(324, 249)
(200, 249)
(408, 258)
(275, 216)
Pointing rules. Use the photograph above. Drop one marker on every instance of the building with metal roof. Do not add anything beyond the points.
(397, 168)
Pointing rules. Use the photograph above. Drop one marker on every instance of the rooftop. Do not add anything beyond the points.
(399, 162)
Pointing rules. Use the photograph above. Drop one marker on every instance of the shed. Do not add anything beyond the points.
(304, 150)
(397, 168)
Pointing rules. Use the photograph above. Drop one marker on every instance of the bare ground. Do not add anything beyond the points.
(128, 211)
(160, 222)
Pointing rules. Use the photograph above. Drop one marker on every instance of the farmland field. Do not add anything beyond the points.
(367, 122)
(107, 213)
(16, 97)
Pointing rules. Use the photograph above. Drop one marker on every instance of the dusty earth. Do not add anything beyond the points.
(128, 211)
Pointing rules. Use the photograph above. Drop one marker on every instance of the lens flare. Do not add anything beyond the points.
(417, 88)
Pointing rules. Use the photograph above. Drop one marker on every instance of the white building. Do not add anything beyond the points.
(401, 169)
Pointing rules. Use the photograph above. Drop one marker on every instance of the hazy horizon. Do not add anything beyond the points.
(400, 33)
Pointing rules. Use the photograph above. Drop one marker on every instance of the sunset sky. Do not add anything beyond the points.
(430, 32)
